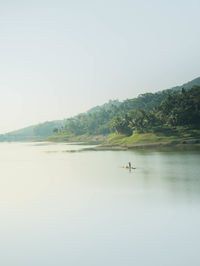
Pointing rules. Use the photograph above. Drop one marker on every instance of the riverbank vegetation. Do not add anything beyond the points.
(99, 123)
(177, 109)
(163, 117)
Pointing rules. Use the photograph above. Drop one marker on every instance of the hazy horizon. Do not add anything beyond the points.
(62, 58)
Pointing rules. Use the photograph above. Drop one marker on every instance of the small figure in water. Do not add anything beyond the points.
(129, 166)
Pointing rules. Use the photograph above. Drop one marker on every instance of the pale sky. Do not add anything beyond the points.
(59, 58)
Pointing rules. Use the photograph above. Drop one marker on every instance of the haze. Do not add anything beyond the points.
(60, 58)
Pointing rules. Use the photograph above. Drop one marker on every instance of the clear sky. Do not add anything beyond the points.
(59, 58)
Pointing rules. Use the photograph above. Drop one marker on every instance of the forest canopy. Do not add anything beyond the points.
(147, 112)
(177, 109)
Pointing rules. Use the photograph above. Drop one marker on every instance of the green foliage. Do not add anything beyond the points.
(46, 129)
(177, 109)
(166, 136)
(32, 133)
(121, 124)
(92, 123)
(55, 130)
(114, 116)
(181, 109)
(149, 112)
(142, 121)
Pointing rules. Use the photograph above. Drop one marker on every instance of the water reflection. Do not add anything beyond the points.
(174, 172)
(85, 209)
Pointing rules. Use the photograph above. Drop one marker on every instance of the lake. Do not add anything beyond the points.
(64, 208)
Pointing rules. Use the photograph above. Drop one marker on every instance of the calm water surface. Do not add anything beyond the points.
(59, 208)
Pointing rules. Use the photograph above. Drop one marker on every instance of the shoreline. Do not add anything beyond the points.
(174, 144)
(184, 139)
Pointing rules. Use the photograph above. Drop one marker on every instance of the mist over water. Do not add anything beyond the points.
(83, 208)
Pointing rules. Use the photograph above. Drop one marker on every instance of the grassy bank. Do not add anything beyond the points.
(166, 137)
(178, 136)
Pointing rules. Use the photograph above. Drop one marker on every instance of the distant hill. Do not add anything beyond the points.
(188, 85)
(105, 106)
(96, 120)
(40, 131)
(148, 101)
(32, 133)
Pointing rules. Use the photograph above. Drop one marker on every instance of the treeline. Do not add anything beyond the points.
(95, 122)
(177, 109)
(113, 116)
(33, 133)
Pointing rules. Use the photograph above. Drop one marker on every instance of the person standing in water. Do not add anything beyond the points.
(129, 165)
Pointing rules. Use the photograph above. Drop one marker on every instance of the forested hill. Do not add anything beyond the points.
(101, 121)
(96, 121)
(148, 101)
(32, 133)
(41, 131)
(178, 109)
(188, 85)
